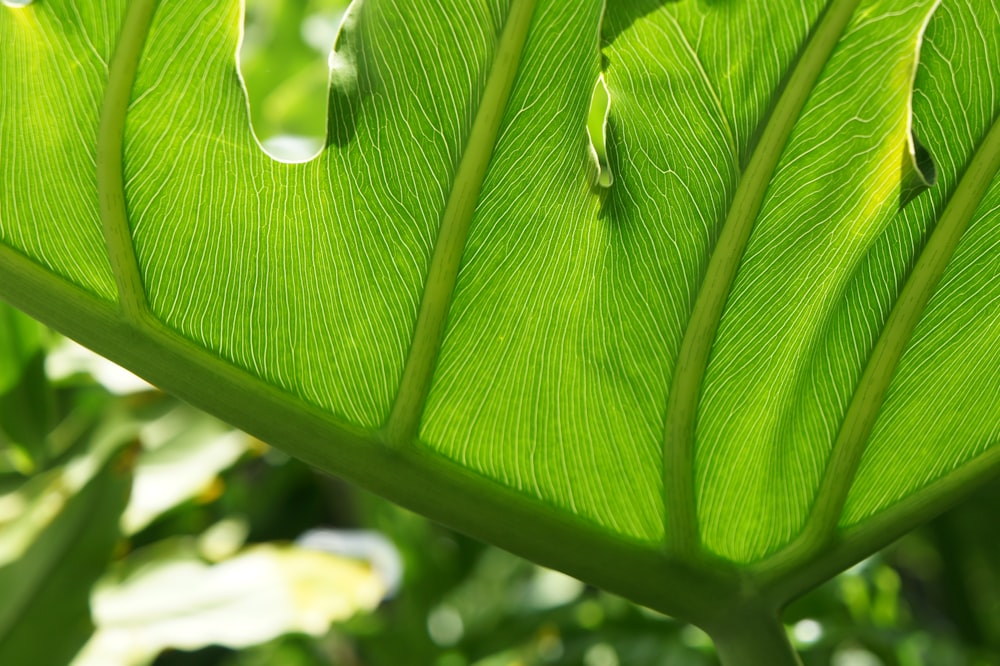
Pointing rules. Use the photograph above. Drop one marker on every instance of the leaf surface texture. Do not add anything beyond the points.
(550, 325)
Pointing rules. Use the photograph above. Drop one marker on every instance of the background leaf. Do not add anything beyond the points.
(20, 340)
(51, 555)
(170, 598)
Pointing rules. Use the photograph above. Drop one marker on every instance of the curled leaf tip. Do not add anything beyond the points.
(597, 128)
(919, 172)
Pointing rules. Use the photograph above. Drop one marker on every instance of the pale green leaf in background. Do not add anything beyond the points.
(283, 60)
(170, 598)
(182, 453)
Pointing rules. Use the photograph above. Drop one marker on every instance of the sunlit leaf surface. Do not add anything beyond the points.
(679, 340)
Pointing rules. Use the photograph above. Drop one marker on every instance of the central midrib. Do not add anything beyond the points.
(404, 420)
(681, 522)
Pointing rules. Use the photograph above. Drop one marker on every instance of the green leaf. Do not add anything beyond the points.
(943, 400)
(749, 352)
(20, 340)
(183, 451)
(25, 397)
(56, 537)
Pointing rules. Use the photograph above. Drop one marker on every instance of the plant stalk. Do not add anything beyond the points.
(752, 637)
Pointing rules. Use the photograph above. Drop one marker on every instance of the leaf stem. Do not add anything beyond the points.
(870, 392)
(413, 477)
(110, 154)
(692, 362)
(751, 637)
(404, 420)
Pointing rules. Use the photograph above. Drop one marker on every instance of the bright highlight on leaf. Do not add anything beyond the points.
(182, 453)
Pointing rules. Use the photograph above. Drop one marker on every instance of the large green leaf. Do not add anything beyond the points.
(750, 352)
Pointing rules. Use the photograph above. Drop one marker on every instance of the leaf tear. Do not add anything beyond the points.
(288, 74)
(919, 172)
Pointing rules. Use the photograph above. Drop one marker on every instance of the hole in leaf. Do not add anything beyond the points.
(284, 62)
(16, 3)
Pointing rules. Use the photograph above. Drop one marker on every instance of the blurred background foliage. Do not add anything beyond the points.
(284, 61)
(136, 530)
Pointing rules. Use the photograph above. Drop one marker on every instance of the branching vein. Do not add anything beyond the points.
(110, 179)
(678, 450)
(404, 420)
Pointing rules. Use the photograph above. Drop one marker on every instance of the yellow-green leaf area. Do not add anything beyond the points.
(940, 414)
(307, 275)
(53, 73)
(774, 393)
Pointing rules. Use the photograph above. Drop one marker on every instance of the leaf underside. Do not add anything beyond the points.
(447, 285)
